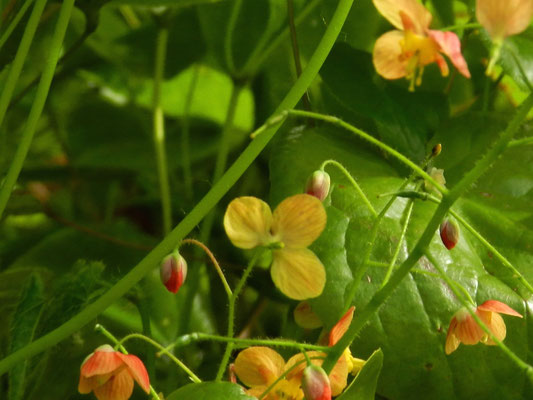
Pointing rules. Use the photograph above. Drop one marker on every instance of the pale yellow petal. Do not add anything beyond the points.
(496, 325)
(299, 220)
(419, 16)
(387, 56)
(502, 18)
(259, 366)
(298, 274)
(247, 222)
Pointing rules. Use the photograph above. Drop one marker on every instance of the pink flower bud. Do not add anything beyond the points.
(449, 233)
(173, 271)
(315, 383)
(318, 185)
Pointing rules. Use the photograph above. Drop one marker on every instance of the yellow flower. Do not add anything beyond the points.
(296, 223)
(464, 328)
(405, 52)
(504, 18)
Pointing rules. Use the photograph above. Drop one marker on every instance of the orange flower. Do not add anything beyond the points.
(110, 374)
(504, 18)
(464, 328)
(405, 52)
(295, 223)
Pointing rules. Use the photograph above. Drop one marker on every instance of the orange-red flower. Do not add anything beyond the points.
(464, 328)
(110, 374)
(405, 52)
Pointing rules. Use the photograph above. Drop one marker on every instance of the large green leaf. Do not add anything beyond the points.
(411, 326)
(210, 391)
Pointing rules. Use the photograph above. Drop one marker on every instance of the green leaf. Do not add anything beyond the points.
(162, 3)
(363, 387)
(210, 391)
(411, 326)
(25, 319)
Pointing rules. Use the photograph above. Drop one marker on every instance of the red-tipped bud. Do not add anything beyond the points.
(173, 271)
(315, 383)
(318, 185)
(306, 317)
(449, 233)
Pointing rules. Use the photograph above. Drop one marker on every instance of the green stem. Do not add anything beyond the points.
(473, 25)
(353, 182)
(123, 350)
(447, 201)
(231, 314)
(194, 337)
(40, 99)
(365, 136)
(159, 128)
(186, 133)
(15, 22)
(521, 142)
(453, 286)
(162, 350)
(18, 62)
(228, 39)
(202, 208)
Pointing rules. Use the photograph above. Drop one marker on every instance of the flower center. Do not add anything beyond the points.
(418, 51)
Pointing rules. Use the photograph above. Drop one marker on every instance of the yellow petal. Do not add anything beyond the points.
(247, 222)
(452, 343)
(299, 220)
(259, 366)
(387, 56)
(305, 317)
(504, 18)
(298, 274)
(496, 325)
(418, 15)
(118, 388)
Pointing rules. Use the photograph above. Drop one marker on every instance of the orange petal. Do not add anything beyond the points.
(468, 331)
(137, 370)
(499, 307)
(259, 366)
(504, 18)
(496, 325)
(247, 222)
(103, 361)
(119, 387)
(387, 56)
(341, 327)
(452, 343)
(419, 16)
(299, 220)
(298, 274)
(450, 45)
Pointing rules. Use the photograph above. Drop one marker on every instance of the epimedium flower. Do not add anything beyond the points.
(464, 328)
(110, 374)
(404, 53)
(295, 223)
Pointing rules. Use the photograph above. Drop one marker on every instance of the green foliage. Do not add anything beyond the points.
(210, 390)
(363, 387)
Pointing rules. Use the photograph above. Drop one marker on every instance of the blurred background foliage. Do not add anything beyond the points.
(86, 207)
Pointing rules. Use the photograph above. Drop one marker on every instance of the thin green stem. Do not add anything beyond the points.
(18, 62)
(228, 39)
(394, 257)
(202, 208)
(194, 337)
(15, 22)
(365, 136)
(454, 286)
(162, 350)
(447, 201)
(521, 142)
(353, 182)
(159, 128)
(118, 344)
(215, 264)
(231, 314)
(40, 98)
(186, 133)
(473, 25)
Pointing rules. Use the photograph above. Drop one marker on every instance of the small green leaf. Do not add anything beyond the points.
(210, 391)
(363, 387)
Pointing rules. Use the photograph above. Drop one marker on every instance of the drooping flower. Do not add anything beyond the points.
(464, 328)
(318, 184)
(110, 374)
(405, 52)
(296, 223)
(173, 271)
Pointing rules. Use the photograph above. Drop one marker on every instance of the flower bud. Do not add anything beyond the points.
(449, 233)
(436, 150)
(318, 185)
(173, 271)
(438, 175)
(315, 383)
(306, 317)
